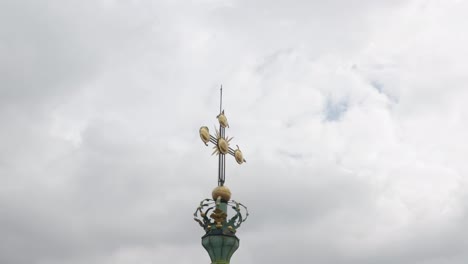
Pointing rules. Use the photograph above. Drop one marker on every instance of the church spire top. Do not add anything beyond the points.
(220, 239)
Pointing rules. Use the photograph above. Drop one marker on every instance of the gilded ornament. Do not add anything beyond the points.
(223, 146)
(219, 216)
(205, 134)
(222, 120)
(223, 192)
(239, 156)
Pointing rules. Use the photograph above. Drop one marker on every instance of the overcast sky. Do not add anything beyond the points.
(351, 115)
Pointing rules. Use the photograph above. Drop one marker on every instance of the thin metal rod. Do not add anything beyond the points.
(213, 140)
(220, 161)
(220, 164)
(224, 168)
(224, 156)
(221, 99)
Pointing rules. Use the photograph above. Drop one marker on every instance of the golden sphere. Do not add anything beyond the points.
(222, 191)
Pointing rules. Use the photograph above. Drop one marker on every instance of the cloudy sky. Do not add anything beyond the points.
(352, 117)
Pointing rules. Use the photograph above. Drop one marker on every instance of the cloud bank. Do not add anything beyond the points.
(351, 117)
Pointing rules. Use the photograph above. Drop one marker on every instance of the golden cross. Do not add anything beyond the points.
(221, 143)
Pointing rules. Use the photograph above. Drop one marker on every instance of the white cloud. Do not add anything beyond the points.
(350, 117)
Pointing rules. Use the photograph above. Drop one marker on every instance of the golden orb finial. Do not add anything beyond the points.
(222, 191)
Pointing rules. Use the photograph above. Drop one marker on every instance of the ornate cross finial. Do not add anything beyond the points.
(221, 142)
